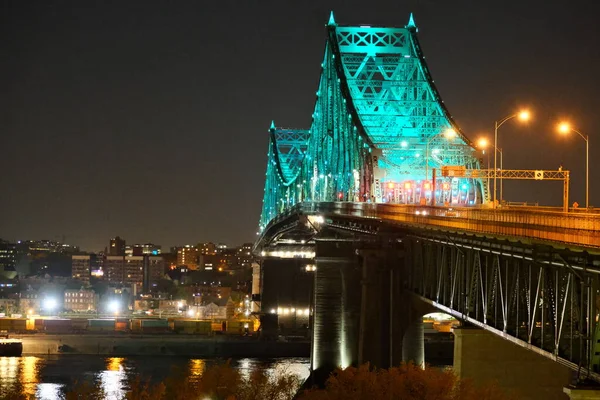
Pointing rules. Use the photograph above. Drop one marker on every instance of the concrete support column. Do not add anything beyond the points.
(582, 393)
(336, 308)
(413, 343)
(483, 357)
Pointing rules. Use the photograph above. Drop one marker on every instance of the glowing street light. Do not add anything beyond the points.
(114, 306)
(523, 116)
(50, 304)
(565, 128)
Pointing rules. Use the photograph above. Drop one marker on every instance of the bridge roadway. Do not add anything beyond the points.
(574, 230)
(529, 277)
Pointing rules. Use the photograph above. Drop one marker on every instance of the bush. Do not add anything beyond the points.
(407, 382)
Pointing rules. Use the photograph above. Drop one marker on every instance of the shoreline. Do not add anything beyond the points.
(159, 344)
(218, 346)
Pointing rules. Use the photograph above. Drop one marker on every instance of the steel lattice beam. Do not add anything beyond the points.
(540, 300)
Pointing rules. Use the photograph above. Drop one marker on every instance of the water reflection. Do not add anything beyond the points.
(8, 372)
(113, 380)
(48, 391)
(48, 377)
(28, 376)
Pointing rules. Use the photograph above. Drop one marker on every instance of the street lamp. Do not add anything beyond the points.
(565, 128)
(483, 143)
(114, 306)
(524, 116)
(50, 304)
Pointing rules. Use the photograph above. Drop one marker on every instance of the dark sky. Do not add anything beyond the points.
(148, 119)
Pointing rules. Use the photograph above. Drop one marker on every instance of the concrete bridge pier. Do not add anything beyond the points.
(361, 312)
(483, 357)
(336, 308)
(413, 343)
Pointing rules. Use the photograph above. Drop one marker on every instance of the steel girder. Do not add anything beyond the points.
(377, 112)
(538, 298)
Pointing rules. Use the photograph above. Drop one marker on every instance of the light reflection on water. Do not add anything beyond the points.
(47, 377)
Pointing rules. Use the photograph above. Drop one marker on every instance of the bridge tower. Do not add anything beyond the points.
(378, 132)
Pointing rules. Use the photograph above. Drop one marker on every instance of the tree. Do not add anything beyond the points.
(407, 382)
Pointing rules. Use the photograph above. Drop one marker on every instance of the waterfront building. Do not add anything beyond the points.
(80, 300)
(29, 302)
(8, 306)
(171, 306)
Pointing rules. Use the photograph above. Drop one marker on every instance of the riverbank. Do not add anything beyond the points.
(437, 352)
(157, 344)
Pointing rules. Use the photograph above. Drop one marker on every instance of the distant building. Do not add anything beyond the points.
(244, 253)
(171, 306)
(117, 247)
(154, 271)
(30, 302)
(208, 248)
(142, 249)
(80, 300)
(7, 260)
(188, 256)
(141, 272)
(8, 306)
(82, 267)
(134, 271)
(114, 269)
(209, 262)
(44, 246)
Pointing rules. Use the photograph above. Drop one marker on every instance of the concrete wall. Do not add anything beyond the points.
(128, 345)
(484, 357)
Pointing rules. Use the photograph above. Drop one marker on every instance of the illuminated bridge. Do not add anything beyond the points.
(384, 199)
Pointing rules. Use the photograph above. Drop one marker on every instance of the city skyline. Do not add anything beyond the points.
(139, 121)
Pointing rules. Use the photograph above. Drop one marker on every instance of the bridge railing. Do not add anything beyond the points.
(573, 228)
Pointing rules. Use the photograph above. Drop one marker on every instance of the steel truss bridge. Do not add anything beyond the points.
(360, 173)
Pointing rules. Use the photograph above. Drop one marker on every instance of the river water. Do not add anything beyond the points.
(47, 377)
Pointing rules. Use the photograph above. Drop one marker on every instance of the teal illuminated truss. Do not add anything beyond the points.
(377, 130)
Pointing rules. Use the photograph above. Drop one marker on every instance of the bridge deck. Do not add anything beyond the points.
(569, 228)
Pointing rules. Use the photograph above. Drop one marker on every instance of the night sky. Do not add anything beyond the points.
(148, 119)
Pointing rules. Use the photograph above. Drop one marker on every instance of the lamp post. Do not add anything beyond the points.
(483, 143)
(564, 128)
(524, 116)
